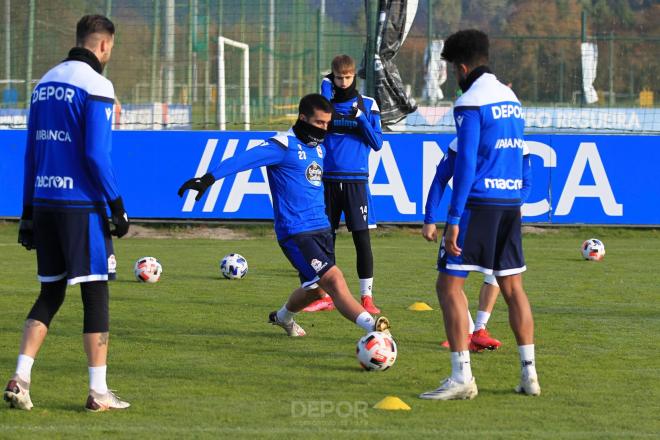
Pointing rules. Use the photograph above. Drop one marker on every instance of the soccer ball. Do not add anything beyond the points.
(376, 351)
(593, 249)
(233, 266)
(147, 270)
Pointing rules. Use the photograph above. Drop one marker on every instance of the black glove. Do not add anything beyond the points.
(199, 184)
(25, 231)
(119, 217)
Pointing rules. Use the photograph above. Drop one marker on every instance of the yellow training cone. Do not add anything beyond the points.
(392, 403)
(419, 307)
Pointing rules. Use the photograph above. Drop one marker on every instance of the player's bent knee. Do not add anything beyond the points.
(48, 303)
(95, 297)
(333, 275)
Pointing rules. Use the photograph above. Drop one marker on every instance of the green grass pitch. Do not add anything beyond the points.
(196, 358)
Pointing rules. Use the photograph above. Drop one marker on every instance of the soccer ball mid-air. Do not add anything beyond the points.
(147, 270)
(376, 351)
(593, 249)
(233, 266)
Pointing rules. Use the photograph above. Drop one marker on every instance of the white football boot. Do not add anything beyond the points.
(104, 402)
(291, 328)
(452, 390)
(528, 385)
(17, 393)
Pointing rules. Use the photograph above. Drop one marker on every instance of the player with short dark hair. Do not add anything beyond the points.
(92, 28)
(483, 229)
(69, 183)
(479, 339)
(354, 131)
(294, 161)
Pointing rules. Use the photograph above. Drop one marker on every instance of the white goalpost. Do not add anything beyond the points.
(222, 91)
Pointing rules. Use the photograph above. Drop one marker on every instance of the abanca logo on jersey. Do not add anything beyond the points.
(52, 135)
(58, 182)
(314, 173)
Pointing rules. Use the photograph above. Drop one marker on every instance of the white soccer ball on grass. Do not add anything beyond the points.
(376, 351)
(147, 270)
(233, 266)
(593, 249)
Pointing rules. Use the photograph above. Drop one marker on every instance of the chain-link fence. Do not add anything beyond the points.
(166, 70)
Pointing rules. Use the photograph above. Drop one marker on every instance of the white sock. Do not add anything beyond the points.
(482, 320)
(470, 323)
(284, 315)
(24, 367)
(461, 370)
(366, 285)
(366, 321)
(97, 379)
(527, 360)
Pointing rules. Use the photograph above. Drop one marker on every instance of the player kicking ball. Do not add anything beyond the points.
(352, 133)
(294, 162)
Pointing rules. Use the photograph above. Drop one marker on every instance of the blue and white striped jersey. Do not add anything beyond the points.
(489, 158)
(69, 138)
(295, 172)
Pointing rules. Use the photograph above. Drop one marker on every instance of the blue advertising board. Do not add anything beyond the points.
(590, 179)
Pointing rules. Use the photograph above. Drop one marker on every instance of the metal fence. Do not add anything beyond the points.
(166, 52)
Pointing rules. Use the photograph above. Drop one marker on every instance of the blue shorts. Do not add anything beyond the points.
(354, 200)
(311, 253)
(491, 240)
(73, 244)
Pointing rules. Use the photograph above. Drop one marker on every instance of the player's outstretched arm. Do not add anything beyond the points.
(199, 184)
(268, 153)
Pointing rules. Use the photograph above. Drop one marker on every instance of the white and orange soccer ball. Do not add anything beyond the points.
(376, 351)
(147, 270)
(593, 249)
